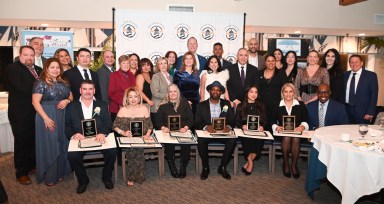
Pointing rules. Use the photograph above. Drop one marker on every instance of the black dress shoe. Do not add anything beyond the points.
(183, 170)
(204, 174)
(109, 184)
(172, 168)
(81, 188)
(223, 171)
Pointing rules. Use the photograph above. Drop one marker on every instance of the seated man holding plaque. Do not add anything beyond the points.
(88, 121)
(133, 122)
(290, 116)
(175, 116)
(250, 117)
(215, 115)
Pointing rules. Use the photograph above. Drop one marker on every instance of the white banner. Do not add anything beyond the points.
(151, 34)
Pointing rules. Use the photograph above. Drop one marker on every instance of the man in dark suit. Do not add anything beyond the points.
(241, 75)
(360, 92)
(192, 47)
(255, 58)
(38, 45)
(218, 51)
(85, 109)
(206, 110)
(20, 77)
(81, 72)
(325, 111)
(104, 73)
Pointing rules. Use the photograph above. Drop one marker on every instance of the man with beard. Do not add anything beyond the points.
(206, 110)
(20, 77)
(255, 58)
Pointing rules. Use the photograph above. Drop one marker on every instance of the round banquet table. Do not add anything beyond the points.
(353, 172)
(6, 135)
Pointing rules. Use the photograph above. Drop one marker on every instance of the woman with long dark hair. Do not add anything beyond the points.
(331, 61)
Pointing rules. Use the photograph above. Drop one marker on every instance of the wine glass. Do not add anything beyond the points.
(381, 123)
(363, 130)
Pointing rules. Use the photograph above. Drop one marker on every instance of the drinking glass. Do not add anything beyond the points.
(363, 130)
(381, 123)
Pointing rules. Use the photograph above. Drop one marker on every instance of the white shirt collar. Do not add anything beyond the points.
(358, 72)
(295, 102)
(87, 111)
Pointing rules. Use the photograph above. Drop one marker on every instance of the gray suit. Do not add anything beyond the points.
(103, 73)
(159, 89)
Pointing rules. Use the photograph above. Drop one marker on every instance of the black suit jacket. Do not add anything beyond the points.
(20, 84)
(75, 78)
(104, 74)
(235, 89)
(184, 110)
(203, 114)
(74, 115)
(226, 64)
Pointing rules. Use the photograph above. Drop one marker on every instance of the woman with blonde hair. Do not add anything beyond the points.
(133, 110)
(175, 104)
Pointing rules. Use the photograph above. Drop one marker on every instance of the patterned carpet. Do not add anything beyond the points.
(260, 187)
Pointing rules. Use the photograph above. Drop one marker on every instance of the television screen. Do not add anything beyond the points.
(299, 45)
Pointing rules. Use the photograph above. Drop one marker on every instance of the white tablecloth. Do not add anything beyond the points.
(353, 172)
(6, 135)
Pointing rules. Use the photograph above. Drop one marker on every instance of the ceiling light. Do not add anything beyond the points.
(44, 24)
(297, 32)
(361, 34)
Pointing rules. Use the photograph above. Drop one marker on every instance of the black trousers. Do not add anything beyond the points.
(24, 153)
(185, 152)
(3, 194)
(76, 159)
(353, 117)
(251, 145)
(230, 144)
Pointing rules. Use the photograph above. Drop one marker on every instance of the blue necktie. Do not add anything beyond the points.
(86, 76)
(351, 100)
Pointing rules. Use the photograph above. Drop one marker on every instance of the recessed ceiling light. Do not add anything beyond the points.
(297, 32)
(45, 24)
(361, 34)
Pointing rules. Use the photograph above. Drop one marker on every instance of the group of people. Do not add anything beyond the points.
(48, 103)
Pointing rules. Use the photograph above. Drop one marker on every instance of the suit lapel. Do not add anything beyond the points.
(79, 110)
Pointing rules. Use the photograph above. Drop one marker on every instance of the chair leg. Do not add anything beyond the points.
(115, 170)
(270, 154)
(197, 159)
(161, 162)
(235, 160)
(123, 159)
(273, 158)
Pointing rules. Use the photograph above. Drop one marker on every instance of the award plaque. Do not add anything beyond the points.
(289, 123)
(136, 128)
(89, 127)
(174, 123)
(218, 124)
(253, 122)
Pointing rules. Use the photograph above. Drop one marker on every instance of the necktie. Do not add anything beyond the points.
(351, 99)
(113, 69)
(86, 76)
(242, 76)
(32, 70)
(321, 115)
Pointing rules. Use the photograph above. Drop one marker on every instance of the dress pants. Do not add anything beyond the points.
(230, 144)
(76, 159)
(353, 117)
(185, 152)
(25, 153)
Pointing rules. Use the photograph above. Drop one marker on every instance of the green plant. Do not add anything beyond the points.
(368, 42)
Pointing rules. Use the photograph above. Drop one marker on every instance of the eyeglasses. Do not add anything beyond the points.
(323, 92)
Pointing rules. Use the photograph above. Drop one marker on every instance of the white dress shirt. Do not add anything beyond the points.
(253, 60)
(81, 69)
(87, 111)
(357, 77)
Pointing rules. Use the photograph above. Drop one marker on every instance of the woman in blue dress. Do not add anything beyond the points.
(188, 80)
(51, 95)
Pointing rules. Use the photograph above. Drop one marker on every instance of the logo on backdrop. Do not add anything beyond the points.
(231, 57)
(208, 32)
(156, 31)
(207, 54)
(231, 33)
(129, 30)
(154, 56)
(182, 31)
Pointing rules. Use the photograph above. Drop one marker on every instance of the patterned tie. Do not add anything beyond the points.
(351, 99)
(321, 115)
(33, 72)
(86, 74)
(113, 69)
(242, 76)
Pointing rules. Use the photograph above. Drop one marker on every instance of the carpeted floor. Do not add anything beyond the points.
(260, 187)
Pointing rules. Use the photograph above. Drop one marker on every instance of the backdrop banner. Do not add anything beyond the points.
(151, 34)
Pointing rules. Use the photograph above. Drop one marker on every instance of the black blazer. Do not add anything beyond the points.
(75, 78)
(74, 115)
(226, 64)
(300, 111)
(234, 86)
(184, 110)
(20, 84)
(203, 114)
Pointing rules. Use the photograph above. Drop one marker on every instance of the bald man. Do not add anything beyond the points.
(255, 58)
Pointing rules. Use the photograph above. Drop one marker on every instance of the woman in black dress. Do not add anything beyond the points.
(175, 104)
(252, 147)
(290, 66)
(331, 61)
(143, 80)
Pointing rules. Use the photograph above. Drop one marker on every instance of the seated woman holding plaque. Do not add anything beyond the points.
(175, 114)
(290, 116)
(132, 112)
(250, 116)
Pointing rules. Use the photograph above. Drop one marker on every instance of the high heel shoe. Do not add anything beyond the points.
(286, 174)
(247, 173)
(297, 174)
